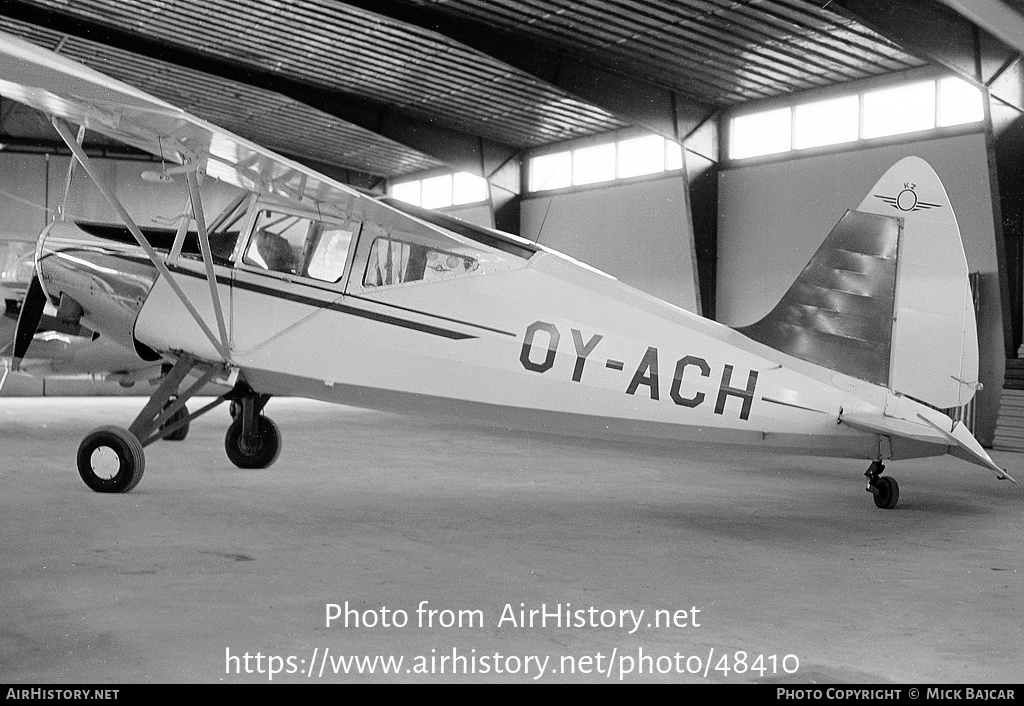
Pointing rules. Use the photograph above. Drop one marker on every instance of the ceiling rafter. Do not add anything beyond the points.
(455, 147)
(633, 97)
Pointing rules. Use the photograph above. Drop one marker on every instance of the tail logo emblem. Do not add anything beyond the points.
(907, 200)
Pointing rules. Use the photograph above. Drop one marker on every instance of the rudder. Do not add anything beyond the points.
(935, 335)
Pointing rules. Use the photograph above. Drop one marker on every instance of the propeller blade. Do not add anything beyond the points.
(28, 320)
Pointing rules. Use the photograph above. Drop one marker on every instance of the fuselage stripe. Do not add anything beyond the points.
(790, 404)
(319, 303)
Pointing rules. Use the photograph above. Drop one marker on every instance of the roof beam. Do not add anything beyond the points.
(992, 15)
(629, 96)
(461, 150)
(934, 31)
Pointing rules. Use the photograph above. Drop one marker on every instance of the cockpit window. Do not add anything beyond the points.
(397, 262)
(297, 245)
(277, 242)
(329, 252)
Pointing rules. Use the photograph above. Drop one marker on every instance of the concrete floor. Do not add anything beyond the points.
(781, 555)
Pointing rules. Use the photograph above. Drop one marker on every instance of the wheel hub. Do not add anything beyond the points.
(248, 447)
(105, 462)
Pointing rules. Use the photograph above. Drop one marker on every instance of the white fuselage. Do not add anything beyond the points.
(547, 345)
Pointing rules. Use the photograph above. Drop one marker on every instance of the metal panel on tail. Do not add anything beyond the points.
(838, 312)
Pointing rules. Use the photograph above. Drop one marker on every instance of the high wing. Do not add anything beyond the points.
(68, 90)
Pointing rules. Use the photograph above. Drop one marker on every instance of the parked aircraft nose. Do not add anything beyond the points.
(94, 276)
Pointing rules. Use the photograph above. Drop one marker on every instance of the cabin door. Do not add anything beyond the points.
(290, 270)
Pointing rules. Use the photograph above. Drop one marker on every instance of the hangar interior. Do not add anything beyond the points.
(698, 150)
(612, 131)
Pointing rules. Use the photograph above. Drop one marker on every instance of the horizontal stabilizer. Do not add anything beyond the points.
(969, 448)
(928, 427)
(877, 423)
(62, 88)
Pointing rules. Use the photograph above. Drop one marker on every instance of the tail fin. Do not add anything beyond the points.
(886, 298)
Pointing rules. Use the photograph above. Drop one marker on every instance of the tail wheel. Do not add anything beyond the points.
(888, 492)
(111, 460)
(180, 433)
(258, 452)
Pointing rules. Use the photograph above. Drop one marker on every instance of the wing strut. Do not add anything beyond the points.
(62, 208)
(179, 236)
(153, 256)
(204, 244)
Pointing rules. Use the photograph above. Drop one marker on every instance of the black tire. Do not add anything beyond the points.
(266, 451)
(111, 460)
(182, 432)
(888, 493)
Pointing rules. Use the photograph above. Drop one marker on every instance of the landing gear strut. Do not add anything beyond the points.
(111, 459)
(252, 440)
(181, 430)
(886, 490)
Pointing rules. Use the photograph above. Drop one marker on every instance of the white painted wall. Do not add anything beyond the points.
(149, 203)
(636, 231)
(22, 196)
(32, 187)
(773, 216)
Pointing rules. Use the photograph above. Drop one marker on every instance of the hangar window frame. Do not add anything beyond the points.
(439, 191)
(599, 162)
(950, 105)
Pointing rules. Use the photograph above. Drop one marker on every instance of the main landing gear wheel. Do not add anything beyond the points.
(111, 460)
(258, 451)
(180, 433)
(885, 490)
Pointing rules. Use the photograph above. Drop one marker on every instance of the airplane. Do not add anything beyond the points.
(303, 286)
